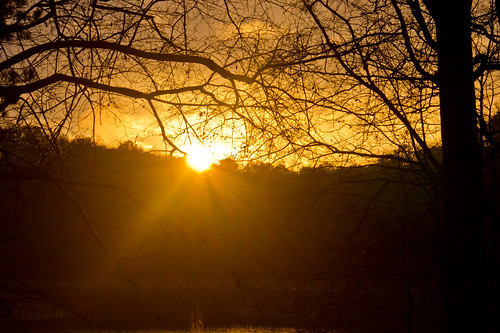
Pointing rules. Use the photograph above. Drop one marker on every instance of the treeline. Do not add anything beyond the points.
(118, 237)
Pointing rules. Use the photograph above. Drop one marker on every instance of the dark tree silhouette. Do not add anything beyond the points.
(465, 282)
(404, 83)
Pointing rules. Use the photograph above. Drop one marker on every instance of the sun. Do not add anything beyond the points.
(199, 158)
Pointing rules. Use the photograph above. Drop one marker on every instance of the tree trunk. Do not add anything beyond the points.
(464, 278)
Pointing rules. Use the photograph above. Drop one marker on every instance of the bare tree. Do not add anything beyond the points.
(304, 82)
(413, 60)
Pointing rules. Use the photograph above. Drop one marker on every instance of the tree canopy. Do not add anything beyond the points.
(295, 82)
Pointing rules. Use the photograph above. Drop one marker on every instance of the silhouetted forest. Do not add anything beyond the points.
(395, 103)
(119, 237)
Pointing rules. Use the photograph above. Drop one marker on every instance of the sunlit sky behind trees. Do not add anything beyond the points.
(265, 80)
(407, 85)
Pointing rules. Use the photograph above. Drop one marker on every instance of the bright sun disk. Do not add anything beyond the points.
(199, 158)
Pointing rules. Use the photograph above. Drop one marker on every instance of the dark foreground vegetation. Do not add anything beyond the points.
(120, 238)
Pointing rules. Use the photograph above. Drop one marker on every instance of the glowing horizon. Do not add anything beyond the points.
(201, 157)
